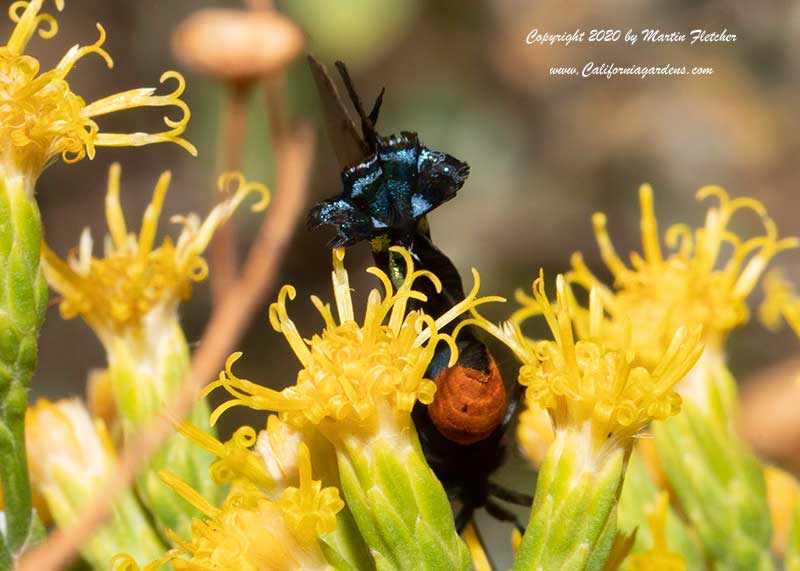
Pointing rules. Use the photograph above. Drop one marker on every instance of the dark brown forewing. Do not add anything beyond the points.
(347, 143)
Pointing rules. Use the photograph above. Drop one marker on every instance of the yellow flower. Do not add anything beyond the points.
(267, 460)
(534, 432)
(251, 532)
(703, 280)
(70, 457)
(115, 293)
(277, 448)
(783, 492)
(235, 459)
(356, 378)
(780, 300)
(63, 441)
(591, 385)
(41, 117)
(130, 297)
(658, 557)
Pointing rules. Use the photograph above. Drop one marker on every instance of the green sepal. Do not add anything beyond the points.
(400, 508)
(344, 548)
(716, 478)
(573, 518)
(146, 368)
(638, 491)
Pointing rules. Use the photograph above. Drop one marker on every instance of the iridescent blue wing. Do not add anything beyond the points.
(363, 187)
(352, 225)
(362, 209)
(398, 159)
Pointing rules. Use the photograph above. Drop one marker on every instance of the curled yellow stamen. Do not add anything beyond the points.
(41, 118)
(780, 301)
(587, 382)
(704, 278)
(135, 277)
(353, 373)
(250, 530)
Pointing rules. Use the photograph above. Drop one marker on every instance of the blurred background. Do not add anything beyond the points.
(545, 151)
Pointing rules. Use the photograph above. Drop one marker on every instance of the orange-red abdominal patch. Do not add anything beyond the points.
(469, 404)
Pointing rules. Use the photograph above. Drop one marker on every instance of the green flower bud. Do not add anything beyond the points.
(71, 457)
(717, 479)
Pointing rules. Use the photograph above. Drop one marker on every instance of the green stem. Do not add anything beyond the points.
(573, 518)
(23, 300)
(399, 506)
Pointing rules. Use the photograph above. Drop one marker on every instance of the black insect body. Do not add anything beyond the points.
(389, 185)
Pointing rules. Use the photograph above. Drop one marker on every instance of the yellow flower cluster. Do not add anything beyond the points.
(116, 292)
(268, 460)
(355, 376)
(704, 279)
(590, 384)
(41, 117)
(251, 532)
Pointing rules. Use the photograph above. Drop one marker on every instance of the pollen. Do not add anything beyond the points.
(355, 376)
(588, 384)
(703, 279)
(115, 293)
(41, 118)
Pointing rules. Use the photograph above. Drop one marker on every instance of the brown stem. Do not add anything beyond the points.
(275, 107)
(228, 320)
(222, 250)
(235, 300)
(259, 4)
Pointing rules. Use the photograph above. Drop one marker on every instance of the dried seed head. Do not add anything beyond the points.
(237, 45)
